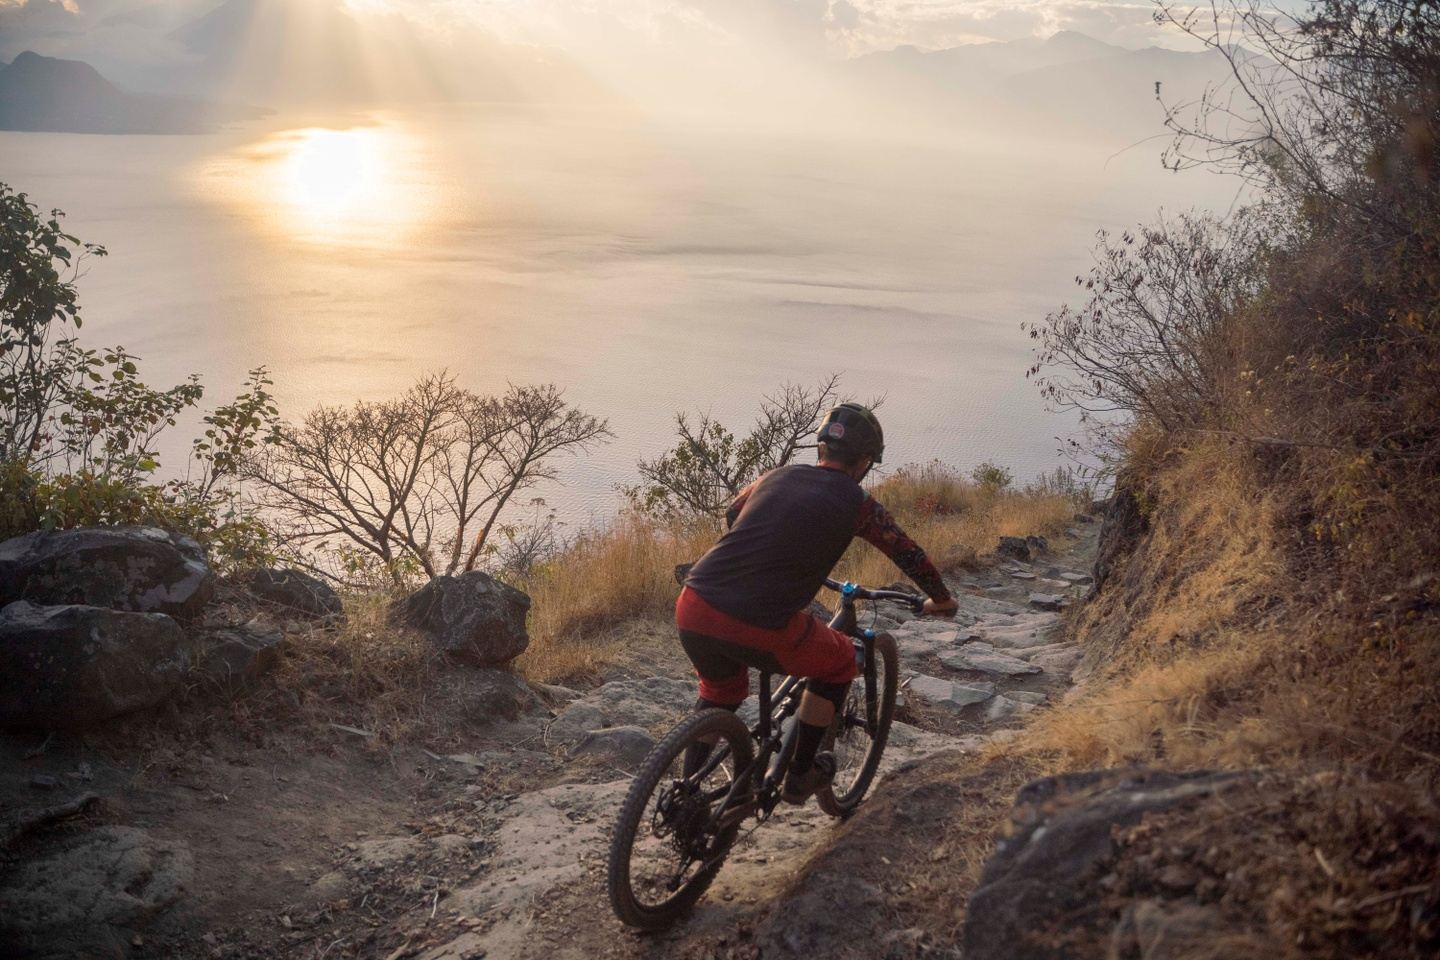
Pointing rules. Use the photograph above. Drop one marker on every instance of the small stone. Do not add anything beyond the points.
(1177, 878)
(43, 781)
(1047, 601)
(945, 693)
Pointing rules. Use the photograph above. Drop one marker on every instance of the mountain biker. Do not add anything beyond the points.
(745, 601)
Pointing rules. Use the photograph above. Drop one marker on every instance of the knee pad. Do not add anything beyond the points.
(834, 692)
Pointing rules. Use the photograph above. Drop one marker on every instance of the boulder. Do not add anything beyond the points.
(140, 569)
(86, 897)
(1037, 544)
(296, 591)
(977, 655)
(473, 617)
(1079, 579)
(75, 665)
(236, 656)
(1015, 548)
(1124, 526)
(1045, 875)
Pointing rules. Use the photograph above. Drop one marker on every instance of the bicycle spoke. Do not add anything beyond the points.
(683, 835)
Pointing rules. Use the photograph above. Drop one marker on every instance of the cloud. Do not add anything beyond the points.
(936, 24)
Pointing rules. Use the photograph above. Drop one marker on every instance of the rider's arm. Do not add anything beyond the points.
(733, 511)
(877, 527)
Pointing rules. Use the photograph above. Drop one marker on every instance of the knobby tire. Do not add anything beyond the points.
(636, 813)
(886, 660)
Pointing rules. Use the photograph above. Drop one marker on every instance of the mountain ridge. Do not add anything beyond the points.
(41, 94)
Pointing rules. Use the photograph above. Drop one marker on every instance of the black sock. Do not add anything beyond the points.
(807, 741)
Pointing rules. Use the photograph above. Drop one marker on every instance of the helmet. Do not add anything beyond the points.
(853, 430)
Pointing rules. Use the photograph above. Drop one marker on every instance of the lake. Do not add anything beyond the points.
(643, 266)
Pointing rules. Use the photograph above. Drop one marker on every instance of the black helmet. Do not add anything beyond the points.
(852, 430)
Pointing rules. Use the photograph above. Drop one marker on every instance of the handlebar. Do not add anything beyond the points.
(915, 602)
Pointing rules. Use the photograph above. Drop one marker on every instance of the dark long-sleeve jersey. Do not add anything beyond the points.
(787, 530)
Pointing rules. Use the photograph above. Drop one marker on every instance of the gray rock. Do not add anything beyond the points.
(1077, 578)
(236, 657)
(1058, 661)
(651, 702)
(625, 747)
(139, 569)
(473, 617)
(984, 657)
(945, 693)
(84, 897)
(1013, 547)
(296, 591)
(556, 693)
(493, 694)
(1048, 601)
(1044, 875)
(575, 721)
(1021, 575)
(1037, 544)
(1008, 705)
(75, 665)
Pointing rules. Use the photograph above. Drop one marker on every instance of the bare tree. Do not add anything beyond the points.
(710, 465)
(421, 480)
(1149, 340)
(1320, 105)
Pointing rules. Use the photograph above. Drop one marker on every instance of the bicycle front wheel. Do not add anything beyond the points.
(859, 732)
(666, 848)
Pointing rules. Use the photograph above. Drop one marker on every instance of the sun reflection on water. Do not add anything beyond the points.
(358, 186)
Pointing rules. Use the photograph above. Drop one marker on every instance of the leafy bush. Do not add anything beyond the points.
(79, 428)
(991, 478)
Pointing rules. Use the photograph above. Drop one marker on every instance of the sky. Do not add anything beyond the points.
(616, 28)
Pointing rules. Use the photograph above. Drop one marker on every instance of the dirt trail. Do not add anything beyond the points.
(493, 845)
(544, 896)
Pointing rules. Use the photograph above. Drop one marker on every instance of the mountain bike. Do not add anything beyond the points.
(674, 831)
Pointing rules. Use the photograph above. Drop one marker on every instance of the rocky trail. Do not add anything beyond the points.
(498, 849)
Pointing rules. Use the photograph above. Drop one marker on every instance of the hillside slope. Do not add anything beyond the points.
(46, 94)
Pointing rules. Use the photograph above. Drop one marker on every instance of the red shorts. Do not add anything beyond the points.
(724, 648)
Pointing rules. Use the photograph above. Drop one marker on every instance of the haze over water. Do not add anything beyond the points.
(644, 265)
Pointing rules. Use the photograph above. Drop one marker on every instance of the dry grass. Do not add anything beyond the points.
(626, 570)
(954, 519)
(1208, 647)
(621, 572)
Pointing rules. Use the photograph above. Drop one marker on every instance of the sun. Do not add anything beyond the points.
(334, 175)
(361, 186)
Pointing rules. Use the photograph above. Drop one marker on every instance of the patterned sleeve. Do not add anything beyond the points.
(732, 512)
(879, 528)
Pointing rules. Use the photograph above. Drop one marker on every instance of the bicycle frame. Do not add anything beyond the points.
(775, 744)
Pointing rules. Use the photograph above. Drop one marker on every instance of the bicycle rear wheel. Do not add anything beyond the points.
(859, 732)
(665, 851)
